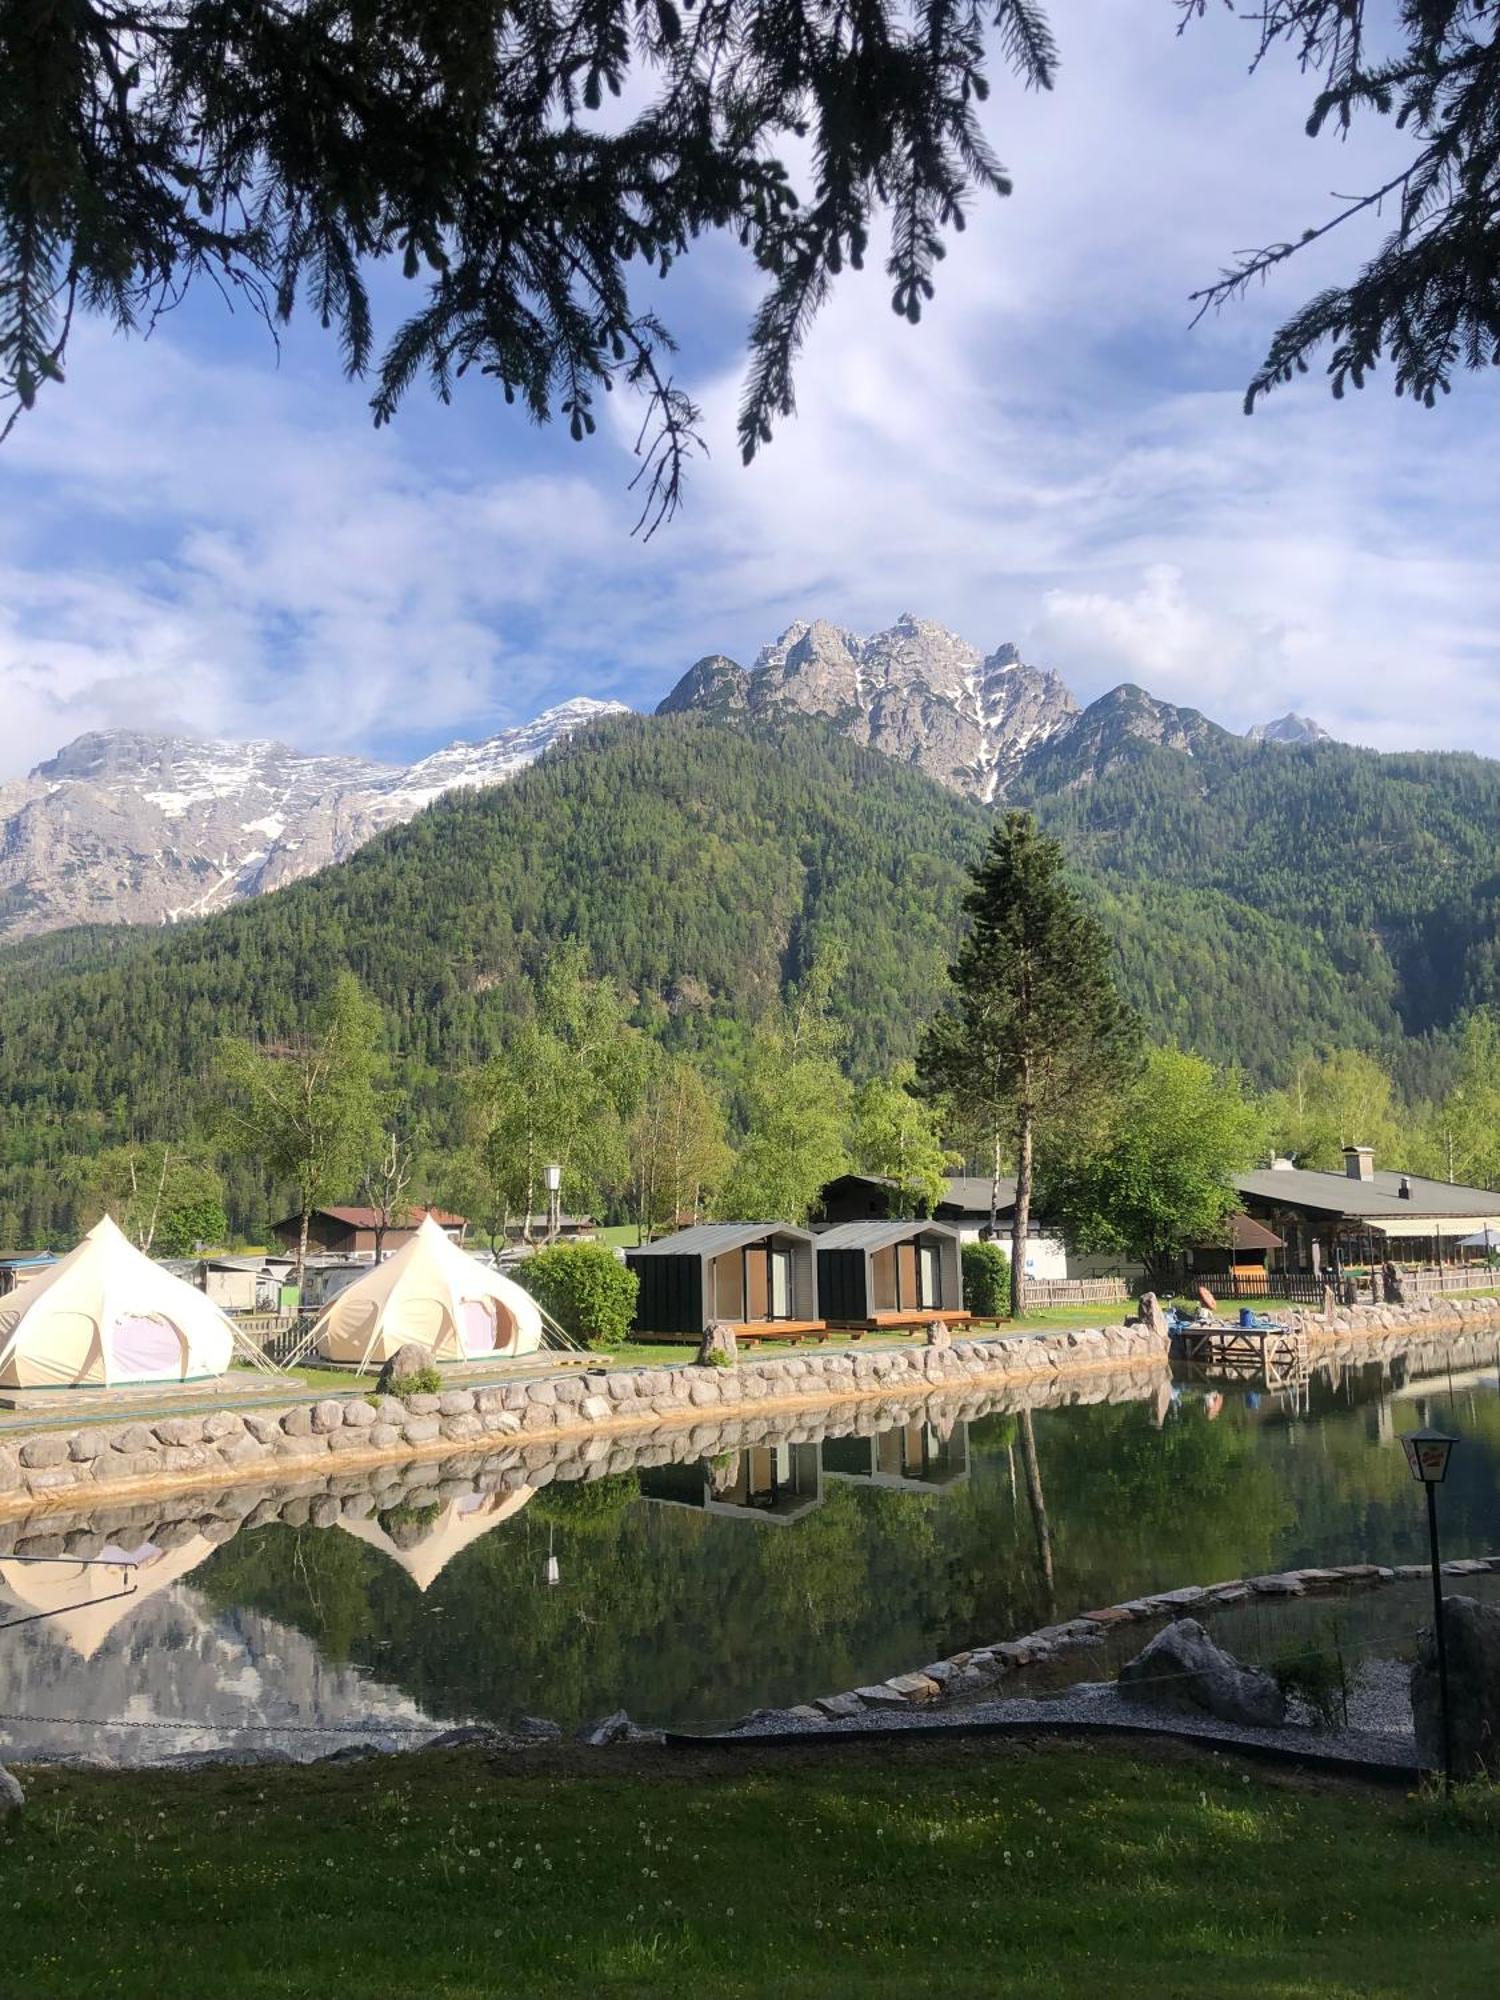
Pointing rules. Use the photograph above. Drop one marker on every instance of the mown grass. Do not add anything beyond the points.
(980, 1869)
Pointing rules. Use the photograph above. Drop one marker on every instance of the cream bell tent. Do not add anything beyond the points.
(425, 1555)
(435, 1294)
(105, 1315)
(84, 1602)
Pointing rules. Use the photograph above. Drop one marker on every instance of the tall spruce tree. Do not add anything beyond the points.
(1035, 1031)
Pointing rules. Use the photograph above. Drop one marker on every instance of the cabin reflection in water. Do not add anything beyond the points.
(912, 1455)
(774, 1482)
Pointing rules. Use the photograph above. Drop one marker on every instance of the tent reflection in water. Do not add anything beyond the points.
(106, 1315)
(435, 1294)
(82, 1602)
(424, 1548)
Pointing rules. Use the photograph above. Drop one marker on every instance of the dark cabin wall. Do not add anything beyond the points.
(841, 1284)
(670, 1299)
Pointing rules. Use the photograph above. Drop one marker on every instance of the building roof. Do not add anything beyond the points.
(970, 1193)
(712, 1239)
(1245, 1233)
(878, 1235)
(1377, 1198)
(371, 1218)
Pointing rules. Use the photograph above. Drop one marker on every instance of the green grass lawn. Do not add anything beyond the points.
(979, 1869)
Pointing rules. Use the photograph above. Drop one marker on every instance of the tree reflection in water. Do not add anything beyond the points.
(692, 1592)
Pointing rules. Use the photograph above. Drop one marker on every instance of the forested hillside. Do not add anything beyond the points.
(1265, 899)
(1267, 896)
(699, 868)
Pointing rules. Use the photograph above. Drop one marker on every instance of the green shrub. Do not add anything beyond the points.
(585, 1287)
(1315, 1673)
(422, 1382)
(986, 1281)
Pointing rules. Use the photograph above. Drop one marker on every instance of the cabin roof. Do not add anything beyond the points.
(879, 1235)
(712, 1239)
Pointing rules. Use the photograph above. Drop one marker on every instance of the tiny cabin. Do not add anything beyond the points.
(875, 1274)
(761, 1277)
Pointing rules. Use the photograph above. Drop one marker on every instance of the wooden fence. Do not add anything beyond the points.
(277, 1335)
(1075, 1292)
(1305, 1288)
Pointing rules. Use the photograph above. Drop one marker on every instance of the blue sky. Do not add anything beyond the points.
(198, 535)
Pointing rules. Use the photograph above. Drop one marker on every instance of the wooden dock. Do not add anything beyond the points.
(1264, 1357)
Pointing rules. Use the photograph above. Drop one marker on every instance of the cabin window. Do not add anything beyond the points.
(930, 1270)
(757, 1285)
(728, 1287)
(883, 1279)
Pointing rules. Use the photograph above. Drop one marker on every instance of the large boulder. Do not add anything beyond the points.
(1150, 1315)
(1184, 1671)
(1472, 1631)
(12, 1798)
(410, 1361)
(719, 1348)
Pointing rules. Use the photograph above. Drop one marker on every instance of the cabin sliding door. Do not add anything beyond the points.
(781, 1284)
(930, 1272)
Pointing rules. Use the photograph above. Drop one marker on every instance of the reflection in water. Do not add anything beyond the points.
(905, 1530)
(921, 1457)
(779, 1482)
(424, 1540)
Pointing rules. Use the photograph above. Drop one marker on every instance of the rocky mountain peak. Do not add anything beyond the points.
(123, 826)
(915, 691)
(1289, 729)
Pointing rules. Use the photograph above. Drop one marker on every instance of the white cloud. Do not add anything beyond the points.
(208, 542)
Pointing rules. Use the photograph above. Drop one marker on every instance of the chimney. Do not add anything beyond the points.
(1359, 1163)
(1404, 1191)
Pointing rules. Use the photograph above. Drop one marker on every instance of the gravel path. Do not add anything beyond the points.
(1379, 1731)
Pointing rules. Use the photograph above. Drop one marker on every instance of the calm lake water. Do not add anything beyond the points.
(692, 1591)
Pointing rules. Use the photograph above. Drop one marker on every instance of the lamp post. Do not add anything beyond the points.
(554, 1202)
(1427, 1453)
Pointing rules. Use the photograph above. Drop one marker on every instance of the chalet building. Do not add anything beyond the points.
(874, 1274)
(1366, 1215)
(1245, 1257)
(761, 1277)
(351, 1232)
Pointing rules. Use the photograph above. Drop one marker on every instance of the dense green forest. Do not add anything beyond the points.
(698, 868)
(1264, 900)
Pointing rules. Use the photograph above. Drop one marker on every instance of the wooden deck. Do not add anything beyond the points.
(892, 1322)
(751, 1330)
(1269, 1357)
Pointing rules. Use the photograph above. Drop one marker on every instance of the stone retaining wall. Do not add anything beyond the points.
(52, 1468)
(969, 1673)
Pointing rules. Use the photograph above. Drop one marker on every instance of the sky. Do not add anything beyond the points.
(201, 535)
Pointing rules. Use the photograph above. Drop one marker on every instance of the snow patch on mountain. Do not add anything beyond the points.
(125, 827)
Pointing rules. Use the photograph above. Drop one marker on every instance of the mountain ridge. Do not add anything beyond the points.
(134, 827)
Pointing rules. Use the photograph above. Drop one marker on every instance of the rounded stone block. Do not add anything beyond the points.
(38, 1453)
